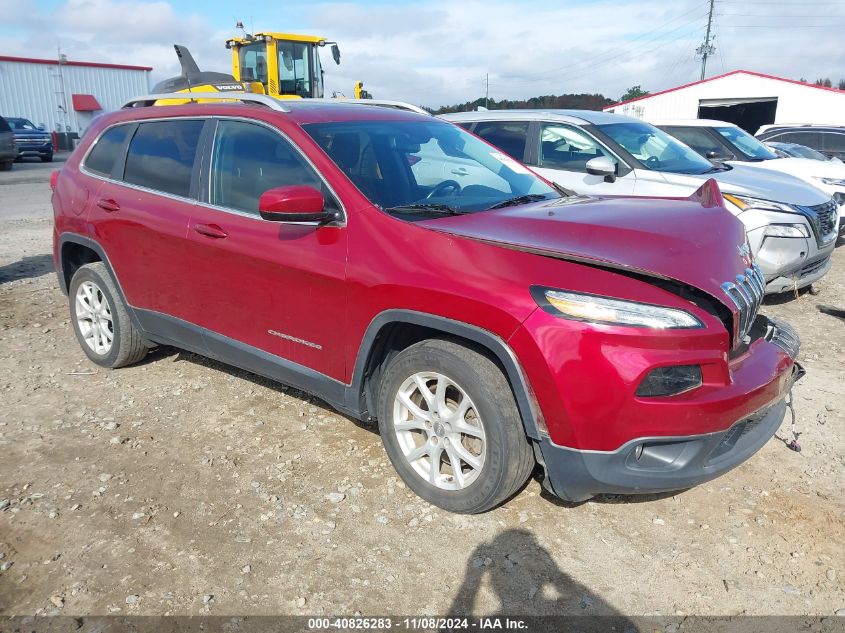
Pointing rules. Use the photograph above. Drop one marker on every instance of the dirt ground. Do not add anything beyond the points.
(182, 486)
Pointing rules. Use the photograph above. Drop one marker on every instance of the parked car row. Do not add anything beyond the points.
(21, 138)
(792, 225)
(407, 271)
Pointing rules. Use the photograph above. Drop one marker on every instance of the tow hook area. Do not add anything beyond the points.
(798, 373)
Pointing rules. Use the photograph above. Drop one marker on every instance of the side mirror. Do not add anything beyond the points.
(602, 166)
(42, 127)
(297, 203)
(336, 54)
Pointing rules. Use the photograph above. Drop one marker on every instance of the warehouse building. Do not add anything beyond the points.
(63, 95)
(745, 98)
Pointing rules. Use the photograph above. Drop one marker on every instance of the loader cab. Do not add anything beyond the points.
(281, 64)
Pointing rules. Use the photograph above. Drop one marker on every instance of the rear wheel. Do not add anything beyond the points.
(6, 165)
(47, 158)
(451, 427)
(100, 319)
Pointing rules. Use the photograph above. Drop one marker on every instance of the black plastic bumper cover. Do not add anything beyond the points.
(660, 464)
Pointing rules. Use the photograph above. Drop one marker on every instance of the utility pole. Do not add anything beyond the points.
(707, 49)
(487, 91)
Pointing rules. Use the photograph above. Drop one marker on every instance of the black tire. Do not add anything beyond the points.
(47, 159)
(127, 346)
(6, 165)
(508, 457)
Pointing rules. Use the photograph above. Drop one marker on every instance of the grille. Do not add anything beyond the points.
(781, 334)
(823, 218)
(746, 292)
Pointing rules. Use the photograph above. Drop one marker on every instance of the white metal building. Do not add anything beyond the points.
(64, 96)
(743, 97)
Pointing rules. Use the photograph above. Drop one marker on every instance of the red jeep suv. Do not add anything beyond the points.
(488, 325)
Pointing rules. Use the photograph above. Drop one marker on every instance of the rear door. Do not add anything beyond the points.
(262, 286)
(140, 214)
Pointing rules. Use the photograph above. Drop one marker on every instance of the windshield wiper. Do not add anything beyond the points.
(512, 202)
(429, 207)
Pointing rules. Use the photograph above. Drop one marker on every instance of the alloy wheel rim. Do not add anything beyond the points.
(94, 318)
(439, 430)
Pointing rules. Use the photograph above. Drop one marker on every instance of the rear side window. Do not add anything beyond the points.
(4, 127)
(161, 156)
(810, 139)
(107, 150)
(508, 136)
(833, 142)
(248, 160)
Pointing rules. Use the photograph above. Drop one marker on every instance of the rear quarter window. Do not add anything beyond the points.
(508, 136)
(161, 156)
(107, 150)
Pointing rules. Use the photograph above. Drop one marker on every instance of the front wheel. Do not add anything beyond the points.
(451, 427)
(48, 158)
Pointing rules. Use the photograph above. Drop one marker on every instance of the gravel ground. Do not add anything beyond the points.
(182, 486)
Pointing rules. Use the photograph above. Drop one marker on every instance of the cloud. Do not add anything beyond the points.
(440, 51)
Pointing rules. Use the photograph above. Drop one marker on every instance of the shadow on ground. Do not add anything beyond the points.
(27, 268)
(523, 578)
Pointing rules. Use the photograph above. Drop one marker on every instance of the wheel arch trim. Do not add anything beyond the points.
(525, 400)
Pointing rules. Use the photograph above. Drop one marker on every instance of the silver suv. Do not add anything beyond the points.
(791, 225)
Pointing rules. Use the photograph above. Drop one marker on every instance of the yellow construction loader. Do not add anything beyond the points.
(282, 65)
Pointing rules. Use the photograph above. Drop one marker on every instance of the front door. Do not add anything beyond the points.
(565, 150)
(268, 286)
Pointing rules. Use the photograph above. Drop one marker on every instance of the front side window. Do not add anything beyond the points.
(655, 149)
(415, 163)
(22, 124)
(567, 148)
(249, 159)
(294, 69)
(107, 151)
(746, 143)
(161, 156)
(700, 140)
(508, 136)
(252, 59)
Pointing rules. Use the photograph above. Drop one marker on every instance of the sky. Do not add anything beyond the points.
(440, 52)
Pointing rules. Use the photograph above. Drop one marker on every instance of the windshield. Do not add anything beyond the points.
(655, 149)
(746, 143)
(429, 165)
(801, 151)
(22, 124)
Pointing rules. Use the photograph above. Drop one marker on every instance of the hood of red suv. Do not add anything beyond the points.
(682, 240)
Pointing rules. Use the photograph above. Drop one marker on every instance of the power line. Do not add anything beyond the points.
(614, 54)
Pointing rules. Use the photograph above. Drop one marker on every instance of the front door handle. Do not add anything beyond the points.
(107, 204)
(460, 171)
(210, 230)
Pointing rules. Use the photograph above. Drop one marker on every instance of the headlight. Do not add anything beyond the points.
(595, 309)
(786, 230)
(836, 182)
(745, 203)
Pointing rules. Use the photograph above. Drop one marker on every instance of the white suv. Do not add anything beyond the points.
(726, 142)
(791, 225)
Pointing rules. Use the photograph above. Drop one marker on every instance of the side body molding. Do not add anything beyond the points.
(349, 399)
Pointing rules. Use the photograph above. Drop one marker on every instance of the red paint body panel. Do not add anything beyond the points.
(325, 285)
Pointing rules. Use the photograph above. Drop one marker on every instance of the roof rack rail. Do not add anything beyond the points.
(245, 97)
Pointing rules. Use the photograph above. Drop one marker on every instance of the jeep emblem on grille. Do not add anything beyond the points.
(745, 253)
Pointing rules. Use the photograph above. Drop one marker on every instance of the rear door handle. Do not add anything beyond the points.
(107, 204)
(210, 230)
(460, 171)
